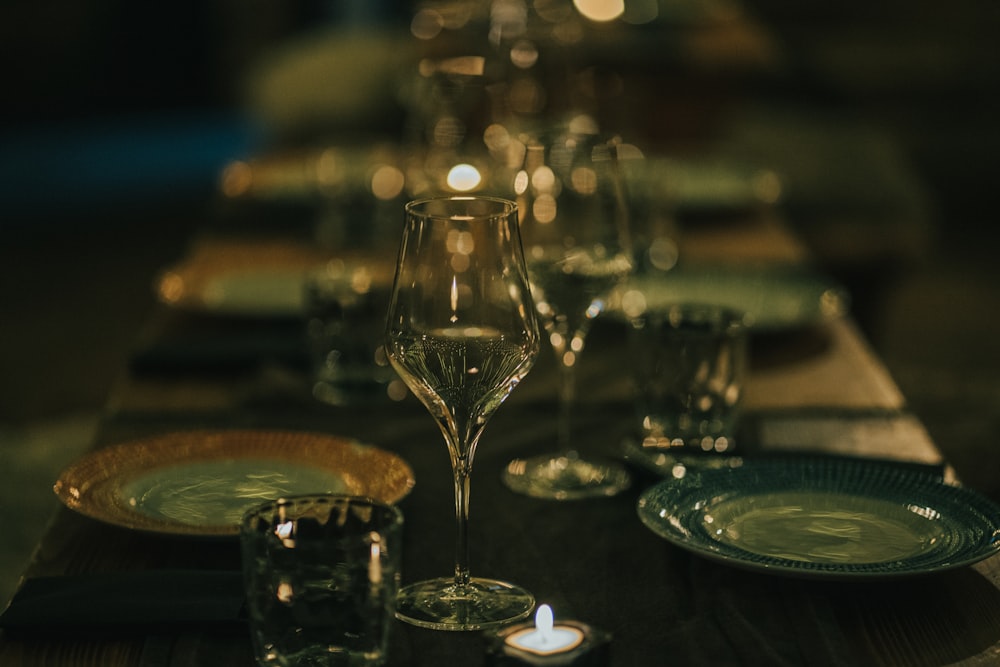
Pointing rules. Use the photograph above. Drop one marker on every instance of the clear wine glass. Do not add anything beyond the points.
(574, 226)
(462, 333)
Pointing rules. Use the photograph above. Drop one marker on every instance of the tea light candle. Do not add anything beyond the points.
(545, 638)
(549, 644)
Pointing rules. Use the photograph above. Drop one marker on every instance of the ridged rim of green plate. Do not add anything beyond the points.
(965, 525)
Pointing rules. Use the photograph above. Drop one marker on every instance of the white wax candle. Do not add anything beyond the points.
(546, 638)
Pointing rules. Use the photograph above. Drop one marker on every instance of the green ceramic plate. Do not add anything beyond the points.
(773, 298)
(824, 518)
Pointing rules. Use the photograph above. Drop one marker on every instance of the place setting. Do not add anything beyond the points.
(474, 293)
(752, 501)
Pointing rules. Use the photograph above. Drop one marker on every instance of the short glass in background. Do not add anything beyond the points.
(321, 575)
(346, 301)
(689, 372)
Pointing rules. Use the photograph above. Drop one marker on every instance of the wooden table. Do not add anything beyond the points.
(591, 560)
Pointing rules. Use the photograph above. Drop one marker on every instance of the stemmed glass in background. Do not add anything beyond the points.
(574, 227)
(462, 333)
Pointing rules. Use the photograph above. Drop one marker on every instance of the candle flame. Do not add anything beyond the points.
(375, 561)
(454, 298)
(544, 621)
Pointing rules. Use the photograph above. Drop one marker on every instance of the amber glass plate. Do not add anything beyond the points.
(201, 482)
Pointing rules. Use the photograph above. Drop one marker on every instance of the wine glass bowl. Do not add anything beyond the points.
(575, 232)
(462, 332)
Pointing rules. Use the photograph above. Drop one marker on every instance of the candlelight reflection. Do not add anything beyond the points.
(463, 178)
(600, 10)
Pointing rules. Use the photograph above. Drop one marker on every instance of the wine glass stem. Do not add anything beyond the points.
(462, 470)
(568, 348)
(567, 398)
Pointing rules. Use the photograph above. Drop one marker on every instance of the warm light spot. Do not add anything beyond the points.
(663, 253)
(375, 559)
(463, 178)
(521, 182)
(544, 209)
(426, 24)
(463, 65)
(171, 287)
(524, 54)
(285, 592)
(633, 303)
(508, 18)
(496, 137)
(629, 152)
(600, 10)
(767, 186)
(465, 243)
(387, 182)
(569, 359)
(459, 263)
(543, 179)
(284, 529)
(237, 178)
(583, 124)
(361, 280)
(926, 512)
(514, 154)
(397, 390)
(329, 170)
(426, 67)
(517, 466)
(584, 180)
(595, 308)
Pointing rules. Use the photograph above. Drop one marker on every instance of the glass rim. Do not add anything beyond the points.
(265, 507)
(506, 207)
(717, 315)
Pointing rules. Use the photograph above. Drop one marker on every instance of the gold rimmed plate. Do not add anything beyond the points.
(201, 482)
(258, 278)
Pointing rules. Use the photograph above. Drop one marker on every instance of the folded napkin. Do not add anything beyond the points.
(127, 601)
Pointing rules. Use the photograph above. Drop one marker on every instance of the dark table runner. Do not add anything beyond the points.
(591, 560)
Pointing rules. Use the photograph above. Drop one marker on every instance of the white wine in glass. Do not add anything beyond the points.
(462, 333)
(574, 224)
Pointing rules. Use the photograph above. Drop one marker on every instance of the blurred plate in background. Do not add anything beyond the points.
(772, 297)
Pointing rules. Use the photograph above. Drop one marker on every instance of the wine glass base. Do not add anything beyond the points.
(440, 604)
(565, 477)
